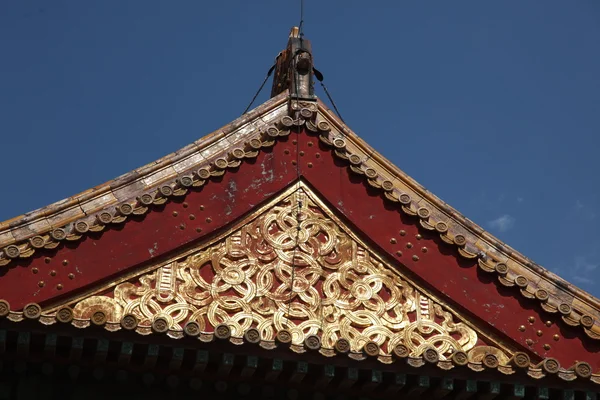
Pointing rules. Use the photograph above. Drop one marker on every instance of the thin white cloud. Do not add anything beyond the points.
(502, 223)
(584, 211)
(583, 270)
(520, 199)
(582, 280)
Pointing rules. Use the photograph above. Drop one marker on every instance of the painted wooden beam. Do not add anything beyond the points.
(468, 390)
(568, 394)
(50, 345)
(125, 354)
(151, 356)
(542, 393)
(226, 364)
(444, 386)
(101, 351)
(201, 361)
(375, 379)
(327, 374)
(299, 372)
(76, 349)
(2, 341)
(23, 342)
(275, 370)
(423, 383)
(490, 391)
(176, 358)
(249, 367)
(397, 384)
(349, 379)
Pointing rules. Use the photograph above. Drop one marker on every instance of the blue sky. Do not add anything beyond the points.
(493, 106)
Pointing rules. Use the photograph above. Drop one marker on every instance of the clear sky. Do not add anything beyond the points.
(493, 106)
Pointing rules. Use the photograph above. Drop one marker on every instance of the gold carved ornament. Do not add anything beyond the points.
(292, 270)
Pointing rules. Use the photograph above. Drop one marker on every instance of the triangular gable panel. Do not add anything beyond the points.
(294, 273)
(137, 231)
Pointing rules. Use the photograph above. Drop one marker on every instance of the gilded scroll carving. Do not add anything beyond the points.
(292, 268)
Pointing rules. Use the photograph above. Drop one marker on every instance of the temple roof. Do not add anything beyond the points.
(133, 225)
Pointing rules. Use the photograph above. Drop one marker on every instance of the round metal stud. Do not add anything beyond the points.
(551, 365)
(105, 217)
(387, 186)
(460, 358)
(306, 113)
(160, 324)
(58, 234)
(587, 321)
(271, 131)
(401, 351)
(12, 251)
(166, 190)
(431, 355)
(204, 173)
(252, 335)
(99, 318)
(522, 328)
(371, 173)
(342, 346)
(423, 212)
(546, 346)
(441, 227)
(404, 199)
(37, 242)
(521, 281)
(191, 328)
(129, 322)
(312, 342)
(355, 159)
(323, 126)
(284, 336)
(541, 294)
(146, 199)
(583, 370)
(521, 360)
(32, 311)
(221, 163)
(64, 315)
(490, 361)
(501, 269)
(125, 209)
(564, 309)
(254, 143)
(236, 153)
(222, 331)
(460, 240)
(371, 349)
(81, 227)
(4, 308)
(287, 121)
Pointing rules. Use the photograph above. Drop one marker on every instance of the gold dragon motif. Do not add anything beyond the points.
(292, 268)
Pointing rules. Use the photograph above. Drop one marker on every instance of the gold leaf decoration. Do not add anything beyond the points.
(292, 269)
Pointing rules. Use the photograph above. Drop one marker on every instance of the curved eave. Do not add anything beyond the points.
(513, 269)
(49, 222)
